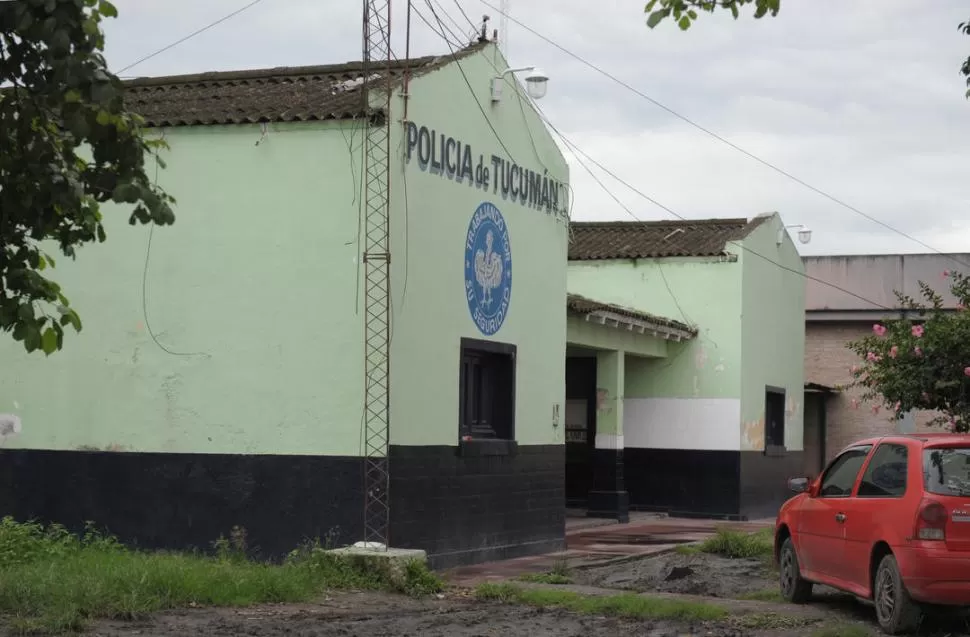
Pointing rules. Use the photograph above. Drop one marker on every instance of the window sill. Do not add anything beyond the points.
(481, 447)
(775, 451)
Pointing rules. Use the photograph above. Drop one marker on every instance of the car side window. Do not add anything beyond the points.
(885, 477)
(840, 477)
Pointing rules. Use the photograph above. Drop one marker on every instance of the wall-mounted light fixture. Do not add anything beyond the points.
(804, 235)
(536, 82)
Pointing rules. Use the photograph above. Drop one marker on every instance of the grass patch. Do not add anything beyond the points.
(766, 595)
(53, 581)
(845, 630)
(687, 549)
(737, 544)
(623, 605)
(560, 574)
(546, 578)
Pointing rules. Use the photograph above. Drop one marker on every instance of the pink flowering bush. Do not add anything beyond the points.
(921, 362)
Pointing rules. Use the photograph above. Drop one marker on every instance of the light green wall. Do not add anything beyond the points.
(705, 292)
(592, 335)
(258, 274)
(430, 310)
(772, 335)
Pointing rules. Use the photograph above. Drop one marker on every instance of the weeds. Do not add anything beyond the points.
(53, 581)
(560, 574)
(737, 544)
(766, 595)
(623, 605)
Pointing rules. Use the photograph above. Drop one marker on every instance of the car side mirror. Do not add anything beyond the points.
(798, 485)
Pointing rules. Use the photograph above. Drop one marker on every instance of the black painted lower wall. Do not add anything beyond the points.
(180, 501)
(738, 485)
(459, 508)
(464, 509)
(764, 481)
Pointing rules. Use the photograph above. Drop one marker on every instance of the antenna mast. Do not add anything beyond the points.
(503, 27)
(376, 89)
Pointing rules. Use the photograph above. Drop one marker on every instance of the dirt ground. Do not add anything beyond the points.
(697, 574)
(374, 615)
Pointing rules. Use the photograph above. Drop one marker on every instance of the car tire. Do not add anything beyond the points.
(794, 588)
(896, 611)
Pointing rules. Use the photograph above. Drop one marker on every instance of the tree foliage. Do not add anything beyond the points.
(685, 12)
(923, 362)
(67, 145)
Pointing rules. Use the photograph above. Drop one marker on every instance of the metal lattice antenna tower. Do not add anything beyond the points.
(377, 268)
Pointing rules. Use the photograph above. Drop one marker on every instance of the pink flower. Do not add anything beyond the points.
(917, 331)
(855, 403)
(918, 351)
(854, 370)
(897, 406)
(893, 351)
(966, 371)
(871, 357)
(875, 409)
(946, 273)
(879, 330)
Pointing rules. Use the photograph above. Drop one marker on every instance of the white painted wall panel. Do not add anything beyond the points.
(682, 423)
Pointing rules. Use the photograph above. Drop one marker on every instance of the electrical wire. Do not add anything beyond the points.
(144, 283)
(481, 108)
(720, 138)
(440, 32)
(465, 39)
(189, 36)
(465, 14)
(579, 151)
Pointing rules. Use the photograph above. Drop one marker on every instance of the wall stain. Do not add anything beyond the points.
(753, 435)
(602, 400)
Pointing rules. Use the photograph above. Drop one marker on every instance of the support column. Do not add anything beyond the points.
(608, 498)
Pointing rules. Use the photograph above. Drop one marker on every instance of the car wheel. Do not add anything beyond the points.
(896, 611)
(794, 588)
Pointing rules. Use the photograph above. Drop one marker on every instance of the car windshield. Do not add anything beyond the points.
(947, 471)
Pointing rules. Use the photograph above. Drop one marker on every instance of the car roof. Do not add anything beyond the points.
(936, 438)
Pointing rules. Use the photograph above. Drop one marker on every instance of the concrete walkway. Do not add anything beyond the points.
(602, 542)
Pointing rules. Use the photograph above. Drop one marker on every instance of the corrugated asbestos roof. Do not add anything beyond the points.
(582, 305)
(284, 94)
(653, 239)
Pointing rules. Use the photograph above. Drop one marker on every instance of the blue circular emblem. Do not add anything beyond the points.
(488, 268)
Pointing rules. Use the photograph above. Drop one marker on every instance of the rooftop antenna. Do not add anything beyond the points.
(503, 28)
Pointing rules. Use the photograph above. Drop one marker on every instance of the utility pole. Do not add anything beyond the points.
(377, 268)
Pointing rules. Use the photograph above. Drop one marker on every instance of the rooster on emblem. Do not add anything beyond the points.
(488, 269)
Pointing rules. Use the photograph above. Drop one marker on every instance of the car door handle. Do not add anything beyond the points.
(840, 517)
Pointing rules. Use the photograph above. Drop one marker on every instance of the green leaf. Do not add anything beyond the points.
(684, 23)
(41, 262)
(107, 9)
(650, 6)
(101, 234)
(72, 96)
(692, 14)
(734, 11)
(90, 27)
(103, 118)
(655, 17)
(73, 319)
(49, 341)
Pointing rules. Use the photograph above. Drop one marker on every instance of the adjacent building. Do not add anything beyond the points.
(859, 290)
(704, 418)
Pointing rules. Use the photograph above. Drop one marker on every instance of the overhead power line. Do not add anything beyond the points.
(189, 36)
(718, 137)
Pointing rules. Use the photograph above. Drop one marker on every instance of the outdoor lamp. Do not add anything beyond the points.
(536, 82)
(804, 234)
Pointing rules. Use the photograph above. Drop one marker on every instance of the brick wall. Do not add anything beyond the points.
(827, 362)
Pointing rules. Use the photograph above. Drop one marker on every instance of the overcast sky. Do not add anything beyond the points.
(860, 99)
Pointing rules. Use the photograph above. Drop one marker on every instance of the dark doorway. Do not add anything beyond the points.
(814, 418)
(774, 419)
(580, 427)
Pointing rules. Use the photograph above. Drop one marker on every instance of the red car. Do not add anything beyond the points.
(888, 521)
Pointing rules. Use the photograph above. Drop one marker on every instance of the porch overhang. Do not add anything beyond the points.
(816, 388)
(622, 318)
